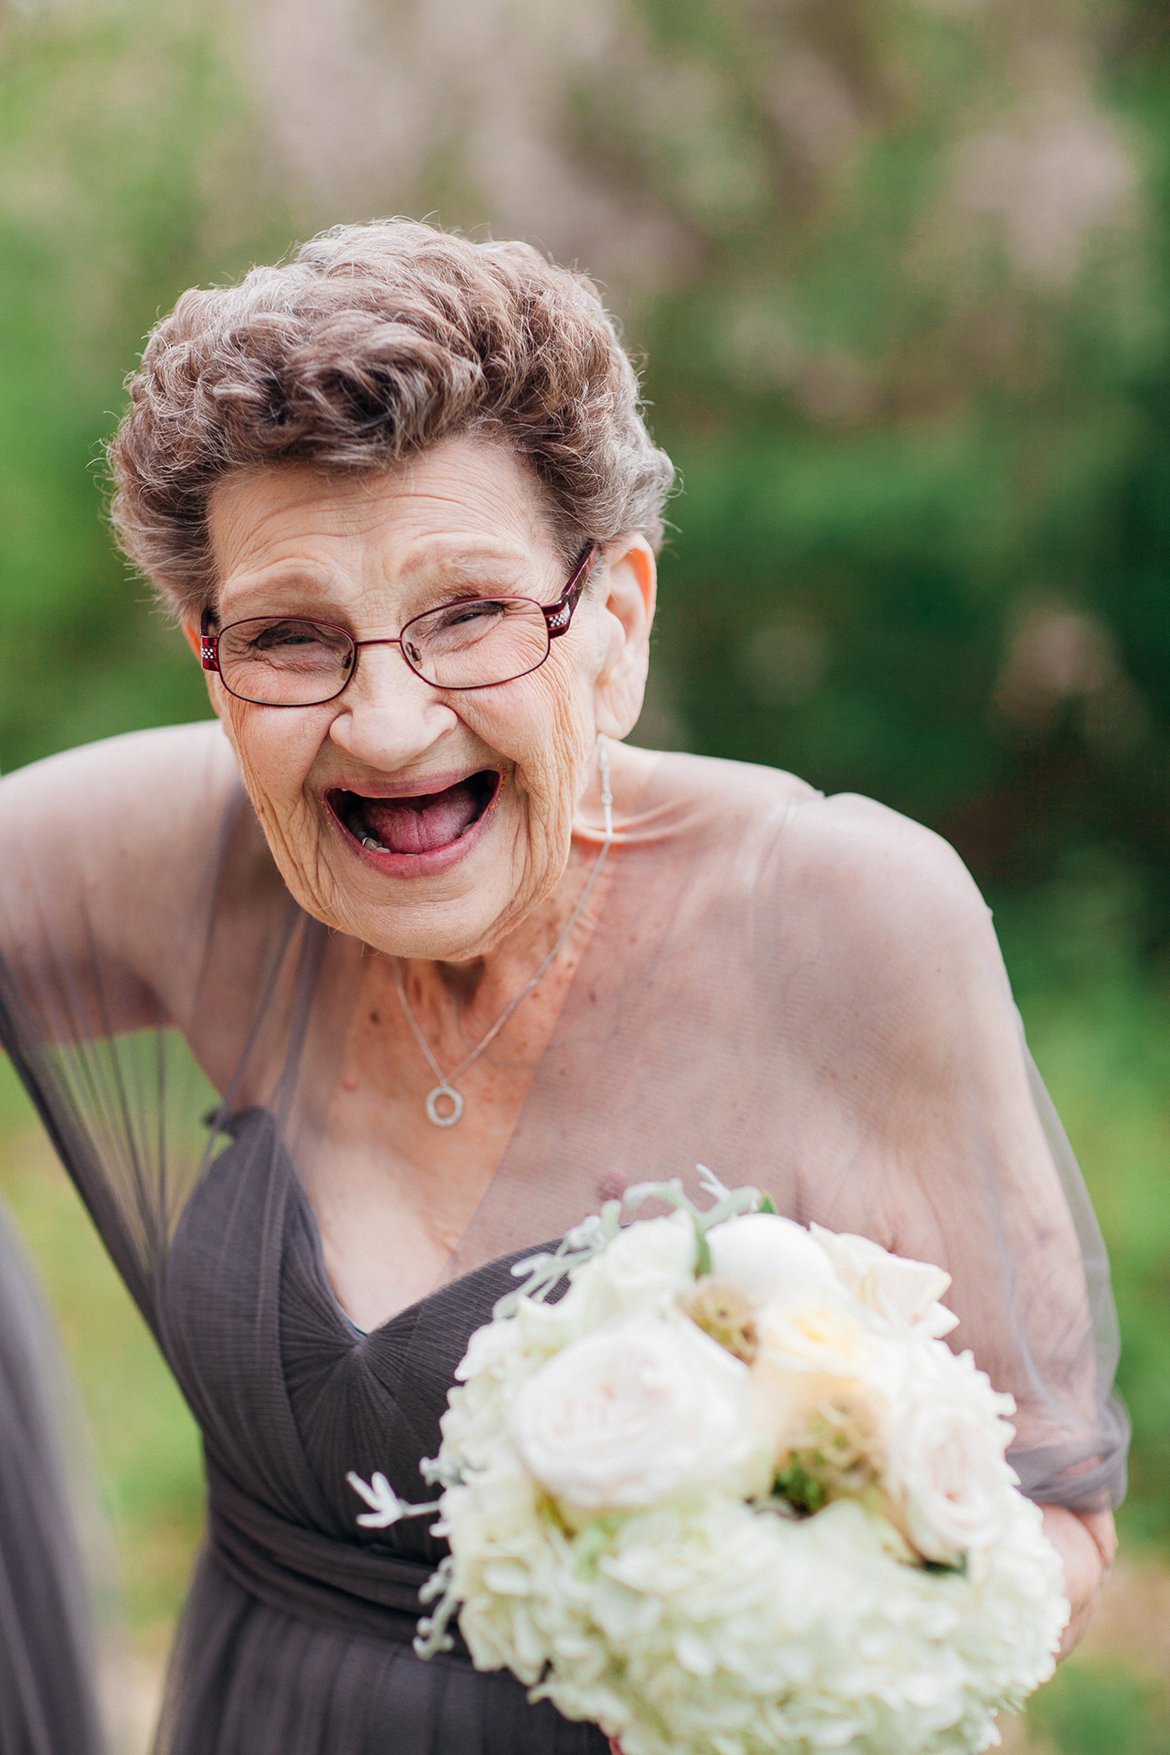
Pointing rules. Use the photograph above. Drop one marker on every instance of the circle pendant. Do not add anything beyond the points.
(448, 1117)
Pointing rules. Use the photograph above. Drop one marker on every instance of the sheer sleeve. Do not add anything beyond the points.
(118, 904)
(956, 1154)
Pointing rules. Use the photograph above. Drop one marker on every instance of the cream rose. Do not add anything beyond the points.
(823, 1355)
(946, 1475)
(637, 1414)
(897, 1287)
(767, 1257)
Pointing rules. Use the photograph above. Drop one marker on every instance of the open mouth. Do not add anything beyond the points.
(421, 823)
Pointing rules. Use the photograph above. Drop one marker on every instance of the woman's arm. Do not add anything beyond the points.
(957, 1156)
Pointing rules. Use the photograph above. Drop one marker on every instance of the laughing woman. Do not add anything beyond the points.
(338, 1003)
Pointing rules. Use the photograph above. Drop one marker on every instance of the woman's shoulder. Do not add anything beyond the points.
(159, 778)
(125, 828)
(833, 830)
(889, 915)
(160, 748)
(854, 872)
(734, 796)
(110, 851)
(870, 868)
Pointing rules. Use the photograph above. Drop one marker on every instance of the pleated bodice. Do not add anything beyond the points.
(291, 1396)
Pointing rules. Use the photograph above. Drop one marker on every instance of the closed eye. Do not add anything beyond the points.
(468, 611)
(284, 634)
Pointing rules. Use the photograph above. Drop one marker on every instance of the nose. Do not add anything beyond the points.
(388, 716)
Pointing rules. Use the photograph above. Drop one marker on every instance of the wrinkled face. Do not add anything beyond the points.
(464, 800)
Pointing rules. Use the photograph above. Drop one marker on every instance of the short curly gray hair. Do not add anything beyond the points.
(369, 343)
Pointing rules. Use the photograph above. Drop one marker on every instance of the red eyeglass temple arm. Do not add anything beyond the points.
(208, 643)
(558, 615)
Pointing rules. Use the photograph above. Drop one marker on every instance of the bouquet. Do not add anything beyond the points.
(732, 1494)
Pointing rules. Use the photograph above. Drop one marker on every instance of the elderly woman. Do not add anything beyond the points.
(337, 1005)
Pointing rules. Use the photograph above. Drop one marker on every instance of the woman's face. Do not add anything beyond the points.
(465, 799)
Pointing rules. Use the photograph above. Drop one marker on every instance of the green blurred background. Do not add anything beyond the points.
(899, 270)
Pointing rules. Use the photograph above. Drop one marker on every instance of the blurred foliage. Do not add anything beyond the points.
(906, 317)
(901, 270)
(916, 395)
(1092, 1710)
(118, 128)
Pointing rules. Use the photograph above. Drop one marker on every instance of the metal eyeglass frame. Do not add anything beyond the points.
(557, 618)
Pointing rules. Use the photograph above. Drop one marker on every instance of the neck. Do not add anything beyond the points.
(481, 987)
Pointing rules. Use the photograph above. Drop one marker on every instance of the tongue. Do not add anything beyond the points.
(418, 825)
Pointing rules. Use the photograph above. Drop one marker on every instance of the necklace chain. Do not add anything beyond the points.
(446, 1093)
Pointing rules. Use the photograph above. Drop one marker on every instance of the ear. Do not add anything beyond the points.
(630, 584)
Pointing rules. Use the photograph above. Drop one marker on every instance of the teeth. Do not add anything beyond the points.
(373, 844)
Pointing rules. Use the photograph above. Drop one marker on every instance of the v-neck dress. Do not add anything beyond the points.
(799, 992)
(298, 1632)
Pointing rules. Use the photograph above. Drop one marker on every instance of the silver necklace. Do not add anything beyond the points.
(446, 1092)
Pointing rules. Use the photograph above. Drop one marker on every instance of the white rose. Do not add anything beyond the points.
(900, 1289)
(636, 1414)
(949, 1484)
(766, 1257)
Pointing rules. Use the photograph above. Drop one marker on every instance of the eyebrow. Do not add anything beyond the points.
(294, 581)
(436, 561)
(431, 570)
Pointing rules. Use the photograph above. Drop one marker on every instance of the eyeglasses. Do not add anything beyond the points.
(472, 643)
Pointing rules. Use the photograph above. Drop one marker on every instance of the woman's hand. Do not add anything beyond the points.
(1086, 1543)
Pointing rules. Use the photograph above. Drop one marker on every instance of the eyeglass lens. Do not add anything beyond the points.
(287, 661)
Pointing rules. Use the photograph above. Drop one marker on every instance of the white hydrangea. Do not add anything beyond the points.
(711, 1626)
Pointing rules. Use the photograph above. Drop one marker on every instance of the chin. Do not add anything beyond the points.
(421, 929)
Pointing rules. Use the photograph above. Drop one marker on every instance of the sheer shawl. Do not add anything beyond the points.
(48, 1693)
(801, 992)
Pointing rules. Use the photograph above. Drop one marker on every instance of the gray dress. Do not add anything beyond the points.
(799, 992)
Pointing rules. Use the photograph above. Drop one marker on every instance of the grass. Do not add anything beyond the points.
(1102, 1039)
